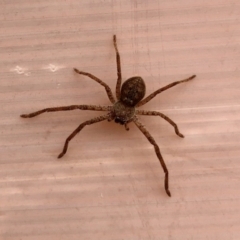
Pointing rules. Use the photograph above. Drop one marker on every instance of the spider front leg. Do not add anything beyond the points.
(151, 96)
(154, 113)
(157, 151)
(78, 129)
(107, 88)
(119, 73)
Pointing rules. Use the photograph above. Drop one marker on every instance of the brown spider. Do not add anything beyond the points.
(123, 110)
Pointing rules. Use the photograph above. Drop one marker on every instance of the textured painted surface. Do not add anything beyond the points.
(110, 186)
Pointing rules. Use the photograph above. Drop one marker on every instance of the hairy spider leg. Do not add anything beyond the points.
(67, 108)
(155, 113)
(157, 151)
(107, 88)
(119, 73)
(151, 96)
(79, 128)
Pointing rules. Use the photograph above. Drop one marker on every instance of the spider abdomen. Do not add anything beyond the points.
(133, 90)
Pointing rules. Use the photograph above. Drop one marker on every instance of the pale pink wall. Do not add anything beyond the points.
(110, 184)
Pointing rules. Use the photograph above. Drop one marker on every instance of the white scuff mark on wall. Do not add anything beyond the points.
(53, 67)
(21, 70)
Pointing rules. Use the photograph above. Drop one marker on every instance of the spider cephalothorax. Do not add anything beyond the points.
(122, 113)
(123, 110)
